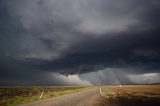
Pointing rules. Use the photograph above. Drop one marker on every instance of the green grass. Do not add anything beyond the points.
(107, 93)
(17, 95)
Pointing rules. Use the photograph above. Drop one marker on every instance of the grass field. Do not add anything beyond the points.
(17, 95)
(132, 95)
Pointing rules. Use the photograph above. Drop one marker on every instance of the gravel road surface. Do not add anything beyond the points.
(90, 97)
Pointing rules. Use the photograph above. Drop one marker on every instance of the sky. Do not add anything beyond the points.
(79, 42)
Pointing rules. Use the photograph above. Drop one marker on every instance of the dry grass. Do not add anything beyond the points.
(132, 95)
(16, 95)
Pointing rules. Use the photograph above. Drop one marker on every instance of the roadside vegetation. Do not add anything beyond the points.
(16, 95)
(132, 95)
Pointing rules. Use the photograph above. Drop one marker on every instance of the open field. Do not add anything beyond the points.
(17, 95)
(132, 95)
(127, 95)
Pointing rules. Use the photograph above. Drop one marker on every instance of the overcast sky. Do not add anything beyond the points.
(79, 42)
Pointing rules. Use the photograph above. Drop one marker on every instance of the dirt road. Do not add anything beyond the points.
(89, 97)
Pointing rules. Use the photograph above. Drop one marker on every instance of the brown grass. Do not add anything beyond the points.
(132, 95)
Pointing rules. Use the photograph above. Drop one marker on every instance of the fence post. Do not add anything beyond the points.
(41, 95)
(100, 90)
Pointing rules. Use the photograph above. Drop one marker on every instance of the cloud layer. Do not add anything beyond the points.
(79, 37)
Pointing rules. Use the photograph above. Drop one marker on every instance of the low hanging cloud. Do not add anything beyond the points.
(120, 76)
(79, 37)
(148, 78)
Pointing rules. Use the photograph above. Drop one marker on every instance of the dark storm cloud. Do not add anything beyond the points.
(120, 76)
(79, 36)
(108, 76)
